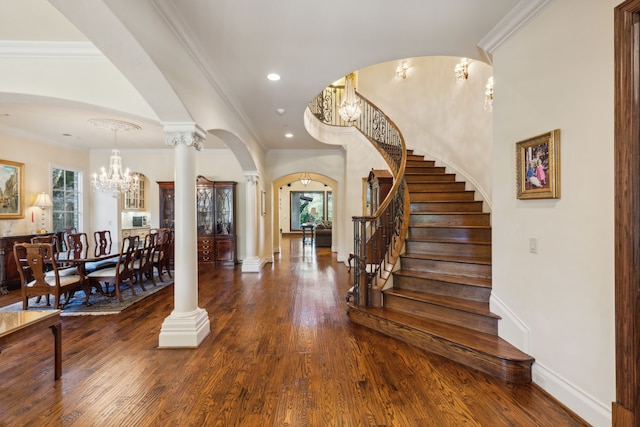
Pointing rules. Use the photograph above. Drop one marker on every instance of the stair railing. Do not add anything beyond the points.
(379, 238)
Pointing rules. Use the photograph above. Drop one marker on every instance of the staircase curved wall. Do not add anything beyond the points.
(438, 116)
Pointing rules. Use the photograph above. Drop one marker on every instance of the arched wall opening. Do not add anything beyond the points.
(278, 203)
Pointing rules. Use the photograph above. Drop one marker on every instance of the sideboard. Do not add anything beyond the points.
(9, 276)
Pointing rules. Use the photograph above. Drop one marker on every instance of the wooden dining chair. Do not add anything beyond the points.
(123, 271)
(77, 245)
(53, 240)
(103, 247)
(33, 260)
(64, 233)
(143, 264)
(103, 242)
(162, 254)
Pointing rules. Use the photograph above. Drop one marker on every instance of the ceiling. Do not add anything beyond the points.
(192, 59)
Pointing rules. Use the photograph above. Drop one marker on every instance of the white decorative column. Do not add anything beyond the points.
(251, 262)
(187, 325)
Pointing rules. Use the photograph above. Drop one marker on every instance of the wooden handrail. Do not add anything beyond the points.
(379, 238)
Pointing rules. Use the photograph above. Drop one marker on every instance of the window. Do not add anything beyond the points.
(65, 189)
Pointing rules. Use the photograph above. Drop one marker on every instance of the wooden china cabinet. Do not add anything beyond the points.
(215, 218)
(167, 211)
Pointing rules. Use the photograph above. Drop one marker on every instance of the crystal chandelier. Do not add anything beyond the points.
(117, 179)
(349, 108)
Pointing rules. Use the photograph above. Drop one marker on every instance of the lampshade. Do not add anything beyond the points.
(43, 201)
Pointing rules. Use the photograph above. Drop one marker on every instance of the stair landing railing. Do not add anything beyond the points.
(378, 238)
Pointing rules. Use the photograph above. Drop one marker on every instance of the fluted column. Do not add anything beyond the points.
(251, 262)
(187, 325)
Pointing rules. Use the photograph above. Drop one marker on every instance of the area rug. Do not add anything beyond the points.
(100, 304)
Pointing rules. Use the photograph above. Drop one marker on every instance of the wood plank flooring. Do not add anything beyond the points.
(282, 352)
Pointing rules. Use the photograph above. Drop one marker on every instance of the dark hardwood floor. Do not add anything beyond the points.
(281, 353)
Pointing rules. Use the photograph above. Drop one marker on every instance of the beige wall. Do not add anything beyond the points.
(437, 115)
(38, 161)
(557, 73)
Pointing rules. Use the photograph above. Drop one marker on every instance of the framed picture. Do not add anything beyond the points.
(538, 166)
(11, 190)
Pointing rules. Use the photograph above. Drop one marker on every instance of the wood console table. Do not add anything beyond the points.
(15, 325)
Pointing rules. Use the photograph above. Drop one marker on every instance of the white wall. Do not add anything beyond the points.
(158, 165)
(557, 73)
(438, 115)
(38, 160)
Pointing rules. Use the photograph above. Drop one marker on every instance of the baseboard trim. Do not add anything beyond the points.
(516, 332)
(596, 413)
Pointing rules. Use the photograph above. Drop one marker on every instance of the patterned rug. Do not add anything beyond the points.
(100, 304)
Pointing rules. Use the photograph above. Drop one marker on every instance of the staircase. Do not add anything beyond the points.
(440, 296)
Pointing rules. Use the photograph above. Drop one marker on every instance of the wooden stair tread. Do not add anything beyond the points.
(450, 278)
(488, 227)
(448, 213)
(460, 304)
(457, 242)
(451, 258)
(491, 345)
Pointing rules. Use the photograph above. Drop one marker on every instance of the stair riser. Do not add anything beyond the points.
(429, 196)
(508, 370)
(476, 235)
(420, 162)
(427, 177)
(476, 322)
(421, 166)
(445, 219)
(436, 186)
(446, 206)
(455, 249)
(447, 267)
(473, 293)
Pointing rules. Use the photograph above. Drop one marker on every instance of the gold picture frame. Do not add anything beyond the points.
(11, 190)
(538, 166)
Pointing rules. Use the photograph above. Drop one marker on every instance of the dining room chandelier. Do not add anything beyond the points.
(349, 108)
(117, 178)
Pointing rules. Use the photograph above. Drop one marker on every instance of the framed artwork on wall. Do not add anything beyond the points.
(11, 190)
(538, 166)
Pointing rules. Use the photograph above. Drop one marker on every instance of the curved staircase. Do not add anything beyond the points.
(440, 296)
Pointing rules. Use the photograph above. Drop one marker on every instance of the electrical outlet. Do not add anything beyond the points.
(533, 245)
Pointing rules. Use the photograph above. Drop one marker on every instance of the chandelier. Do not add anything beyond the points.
(305, 178)
(116, 179)
(349, 108)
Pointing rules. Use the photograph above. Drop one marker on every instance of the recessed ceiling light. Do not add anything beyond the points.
(288, 135)
(274, 77)
(280, 111)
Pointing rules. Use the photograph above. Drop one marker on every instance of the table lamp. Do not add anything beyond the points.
(43, 201)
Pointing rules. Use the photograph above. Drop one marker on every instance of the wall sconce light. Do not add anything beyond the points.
(488, 95)
(43, 201)
(401, 71)
(305, 179)
(462, 69)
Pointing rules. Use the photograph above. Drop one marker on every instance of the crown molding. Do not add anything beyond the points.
(17, 49)
(516, 18)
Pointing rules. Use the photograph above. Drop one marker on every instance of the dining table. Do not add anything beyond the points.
(88, 260)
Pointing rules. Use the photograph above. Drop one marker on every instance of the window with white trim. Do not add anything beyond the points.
(65, 193)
